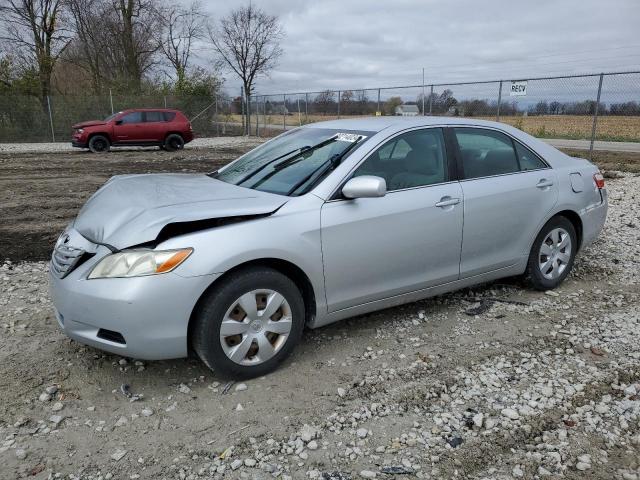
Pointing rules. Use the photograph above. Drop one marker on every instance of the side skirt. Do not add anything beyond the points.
(322, 320)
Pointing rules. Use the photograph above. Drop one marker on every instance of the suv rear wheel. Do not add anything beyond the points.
(173, 142)
(99, 144)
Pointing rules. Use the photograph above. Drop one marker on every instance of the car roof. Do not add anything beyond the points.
(377, 124)
(148, 109)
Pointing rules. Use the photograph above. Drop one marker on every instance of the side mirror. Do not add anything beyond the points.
(366, 186)
(118, 122)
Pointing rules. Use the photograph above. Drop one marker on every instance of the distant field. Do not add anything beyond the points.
(611, 128)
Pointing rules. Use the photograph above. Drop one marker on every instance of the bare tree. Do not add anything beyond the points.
(324, 102)
(87, 49)
(248, 42)
(135, 23)
(181, 28)
(37, 30)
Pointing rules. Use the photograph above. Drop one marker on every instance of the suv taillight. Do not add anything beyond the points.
(599, 179)
(190, 127)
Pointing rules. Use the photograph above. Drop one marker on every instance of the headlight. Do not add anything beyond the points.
(138, 263)
(79, 130)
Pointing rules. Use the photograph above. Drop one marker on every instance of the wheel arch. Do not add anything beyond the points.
(575, 220)
(104, 134)
(173, 132)
(295, 273)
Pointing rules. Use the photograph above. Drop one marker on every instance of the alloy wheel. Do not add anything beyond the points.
(555, 253)
(255, 327)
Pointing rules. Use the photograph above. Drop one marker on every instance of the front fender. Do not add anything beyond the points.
(292, 234)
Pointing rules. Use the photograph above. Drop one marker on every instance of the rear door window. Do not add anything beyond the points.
(154, 117)
(528, 159)
(486, 153)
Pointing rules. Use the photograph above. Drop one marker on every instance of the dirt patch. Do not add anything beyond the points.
(41, 193)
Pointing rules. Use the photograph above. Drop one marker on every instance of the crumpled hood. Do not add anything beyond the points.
(89, 123)
(132, 209)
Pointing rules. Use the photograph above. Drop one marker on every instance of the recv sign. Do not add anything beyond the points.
(518, 88)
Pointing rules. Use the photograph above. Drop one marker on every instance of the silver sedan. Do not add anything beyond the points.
(321, 223)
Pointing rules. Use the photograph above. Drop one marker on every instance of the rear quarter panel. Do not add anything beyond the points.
(577, 192)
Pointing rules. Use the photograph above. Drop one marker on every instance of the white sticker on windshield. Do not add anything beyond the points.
(348, 137)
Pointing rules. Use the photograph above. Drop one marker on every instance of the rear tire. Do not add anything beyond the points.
(552, 254)
(99, 144)
(249, 324)
(173, 142)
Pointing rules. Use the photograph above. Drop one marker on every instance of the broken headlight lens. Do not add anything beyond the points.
(138, 263)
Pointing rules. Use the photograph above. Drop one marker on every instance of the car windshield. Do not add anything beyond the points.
(294, 162)
(111, 116)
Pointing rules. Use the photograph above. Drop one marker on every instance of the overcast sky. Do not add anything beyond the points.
(351, 44)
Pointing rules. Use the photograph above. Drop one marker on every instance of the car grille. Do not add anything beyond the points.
(65, 258)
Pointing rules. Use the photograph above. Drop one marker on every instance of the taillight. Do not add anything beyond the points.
(599, 179)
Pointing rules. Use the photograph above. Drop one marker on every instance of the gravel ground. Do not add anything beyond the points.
(496, 382)
(62, 147)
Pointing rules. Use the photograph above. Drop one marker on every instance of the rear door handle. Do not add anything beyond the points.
(544, 183)
(447, 202)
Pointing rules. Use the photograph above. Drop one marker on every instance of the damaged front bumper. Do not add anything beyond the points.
(140, 317)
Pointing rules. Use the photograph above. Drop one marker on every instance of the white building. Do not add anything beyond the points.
(407, 110)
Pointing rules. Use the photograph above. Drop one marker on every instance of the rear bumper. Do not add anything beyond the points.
(151, 313)
(593, 219)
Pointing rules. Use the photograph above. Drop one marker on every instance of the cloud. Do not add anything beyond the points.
(356, 43)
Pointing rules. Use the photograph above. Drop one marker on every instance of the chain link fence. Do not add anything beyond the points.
(579, 107)
(28, 119)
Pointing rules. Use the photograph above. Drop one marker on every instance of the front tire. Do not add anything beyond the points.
(552, 254)
(99, 144)
(249, 324)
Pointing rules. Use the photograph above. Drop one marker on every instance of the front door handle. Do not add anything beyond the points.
(544, 183)
(447, 202)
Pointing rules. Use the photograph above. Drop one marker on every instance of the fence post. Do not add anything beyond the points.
(299, 114)
(499, 101)
(423, 112)
(378, 107)
(306, 108)
(257, 116)
(53, 135)
(165, 101)
(111, 101)
(431, 101)
(595, 118)
(215, 115)
(248, 107)
(244, 119)
(284, 112)
(339, 92)
(264, 113)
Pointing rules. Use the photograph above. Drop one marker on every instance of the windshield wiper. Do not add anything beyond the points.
(330, 164)
(292, 160)
(262, 167)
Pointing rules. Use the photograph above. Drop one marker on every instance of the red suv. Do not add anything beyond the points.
(168, 129)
